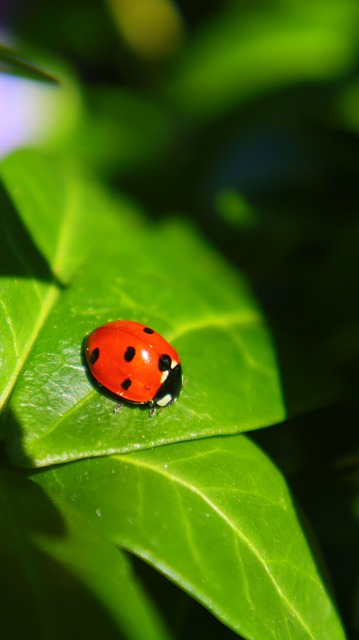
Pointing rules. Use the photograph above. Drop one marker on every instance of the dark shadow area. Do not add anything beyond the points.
(41, 597)
(13, 444)
(185, 617)
(294, 233)
(319, 454)
(19, 256)
(296, 174)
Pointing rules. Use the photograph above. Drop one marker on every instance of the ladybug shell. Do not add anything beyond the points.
(134, 362)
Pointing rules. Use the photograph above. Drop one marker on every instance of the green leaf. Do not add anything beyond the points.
(50, 224)
(12, 62)
(57, 414)
(242, 55)
(73, 581)
(216, 517)
(65, 212)
(93, 261)
(348, 105)
(164, 276)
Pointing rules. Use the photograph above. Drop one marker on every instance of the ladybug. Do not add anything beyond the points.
(135, 363)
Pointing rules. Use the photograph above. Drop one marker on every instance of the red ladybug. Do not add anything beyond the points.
(135, 363)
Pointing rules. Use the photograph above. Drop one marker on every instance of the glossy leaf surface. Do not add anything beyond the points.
(162, 275)
(216, 517)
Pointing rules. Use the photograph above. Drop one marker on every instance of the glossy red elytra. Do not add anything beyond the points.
(134, 362)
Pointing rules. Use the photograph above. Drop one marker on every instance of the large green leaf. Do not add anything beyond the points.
(62, 574)
(216, 517)
(163, 275)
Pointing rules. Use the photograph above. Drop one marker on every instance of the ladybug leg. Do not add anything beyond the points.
(117, 407)
(153, 411)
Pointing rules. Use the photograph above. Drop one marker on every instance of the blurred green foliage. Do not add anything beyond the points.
(12, 63)
(210, 176)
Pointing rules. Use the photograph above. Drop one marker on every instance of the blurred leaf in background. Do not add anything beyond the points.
(152, 28)
(12, 63)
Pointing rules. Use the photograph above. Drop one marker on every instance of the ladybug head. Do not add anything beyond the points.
(170, 388)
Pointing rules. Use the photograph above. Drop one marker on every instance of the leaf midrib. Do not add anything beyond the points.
(190, 487)
(47, 304)
(248, 318)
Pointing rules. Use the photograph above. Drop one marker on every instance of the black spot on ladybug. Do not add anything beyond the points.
(126, 384)
(148, 330)
(130, 354)
(94, 355)
(164, 362)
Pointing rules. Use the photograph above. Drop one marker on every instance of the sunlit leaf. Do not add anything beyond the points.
(216, 517)
(114, 267)
(49, 224)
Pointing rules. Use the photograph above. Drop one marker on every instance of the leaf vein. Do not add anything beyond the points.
(218, 322)
(47, 305)
(240, 535)
(11, 327)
